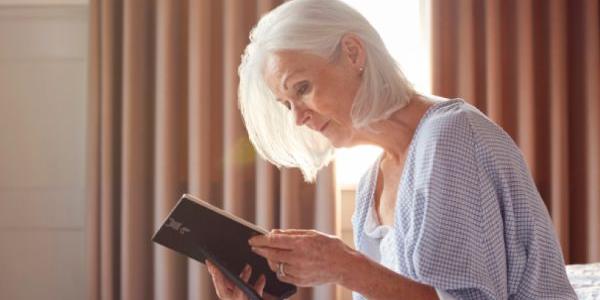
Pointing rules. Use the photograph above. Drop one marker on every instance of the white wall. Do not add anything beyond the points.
(43, 71)
(43, 2)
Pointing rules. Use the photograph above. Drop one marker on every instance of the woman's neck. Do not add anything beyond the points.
(395, 133)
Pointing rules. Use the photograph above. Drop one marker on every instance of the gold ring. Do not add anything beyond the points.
(280, 271)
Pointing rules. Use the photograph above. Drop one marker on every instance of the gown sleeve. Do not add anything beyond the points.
(445, 241)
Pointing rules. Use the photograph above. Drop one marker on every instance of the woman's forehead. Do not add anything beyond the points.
(279, 67)
(282, 64)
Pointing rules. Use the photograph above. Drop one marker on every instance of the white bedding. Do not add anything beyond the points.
(585, 279)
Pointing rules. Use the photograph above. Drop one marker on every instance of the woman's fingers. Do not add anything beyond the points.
(223, 286)
(245, 276)
(260, 284)
(291, 231)
(274, 240)
(273, 265)
(246, 272)
(279, 255)
(227, 290)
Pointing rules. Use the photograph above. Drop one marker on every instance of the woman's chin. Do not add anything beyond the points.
(338, 142)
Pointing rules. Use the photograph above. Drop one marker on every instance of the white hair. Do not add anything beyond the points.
(316, 27)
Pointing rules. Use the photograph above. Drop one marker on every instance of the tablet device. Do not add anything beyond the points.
(202, 231)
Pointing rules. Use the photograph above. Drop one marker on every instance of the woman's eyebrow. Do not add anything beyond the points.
(286, 76)
(299, 83)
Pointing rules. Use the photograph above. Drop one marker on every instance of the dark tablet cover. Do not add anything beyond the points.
(202, 231)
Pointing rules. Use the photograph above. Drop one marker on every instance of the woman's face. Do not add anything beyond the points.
(319, 93)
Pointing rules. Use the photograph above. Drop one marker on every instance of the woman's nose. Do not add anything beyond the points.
(302, 115)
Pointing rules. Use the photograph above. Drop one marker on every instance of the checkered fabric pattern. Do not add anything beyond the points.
(468, 219)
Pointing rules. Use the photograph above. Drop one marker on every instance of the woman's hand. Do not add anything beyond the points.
(226, 290)
(309, 257)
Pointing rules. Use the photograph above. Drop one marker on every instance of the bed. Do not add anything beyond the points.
(585, 280)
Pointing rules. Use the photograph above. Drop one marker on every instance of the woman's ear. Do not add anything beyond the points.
(353, 51)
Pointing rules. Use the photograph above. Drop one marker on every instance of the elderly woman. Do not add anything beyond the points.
(448, 210)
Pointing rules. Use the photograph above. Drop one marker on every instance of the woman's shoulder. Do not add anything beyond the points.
(455, 120)
(450, 112)
(448, 121)
(457, 130)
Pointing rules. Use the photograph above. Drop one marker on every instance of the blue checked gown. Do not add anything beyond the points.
(469, 220)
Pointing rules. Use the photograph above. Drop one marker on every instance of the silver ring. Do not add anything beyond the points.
(280, 271)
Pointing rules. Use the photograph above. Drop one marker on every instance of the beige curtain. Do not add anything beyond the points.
(533, 66)
(163, 120)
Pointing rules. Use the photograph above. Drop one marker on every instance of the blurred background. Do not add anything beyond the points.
(111, 109)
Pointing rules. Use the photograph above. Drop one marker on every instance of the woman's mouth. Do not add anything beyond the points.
(324, 126)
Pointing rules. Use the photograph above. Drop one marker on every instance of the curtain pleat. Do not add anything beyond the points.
(163, 120)
(579, 249)
(443, 13)
(592, 95)
(239, 155)
(526, 106)
(93, 158)
(466, 71)
(136, 162)
(532, 66)
(267, 176)
(327, 219)
(110, 177)
(170, 130)
(205, 64)
(558, 129)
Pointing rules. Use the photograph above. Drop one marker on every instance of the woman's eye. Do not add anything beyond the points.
(303, 89)
(287, 104)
